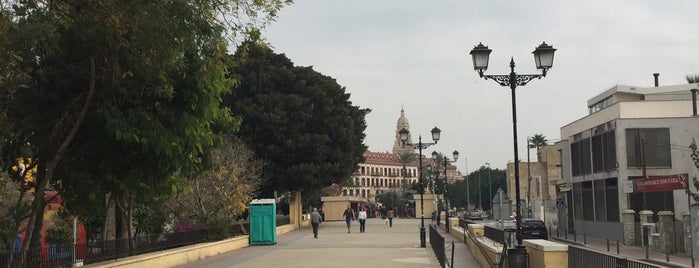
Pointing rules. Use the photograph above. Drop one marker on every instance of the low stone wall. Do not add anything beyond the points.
(542, 253)
(183, 255)
(485, 251)
(546, 254)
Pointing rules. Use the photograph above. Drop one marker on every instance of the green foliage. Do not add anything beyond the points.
(692, 78)
(118, 96)
(388, 199)
(217, 229)
(537, 141)
(60, 230)
(475, 186)
(296, 119)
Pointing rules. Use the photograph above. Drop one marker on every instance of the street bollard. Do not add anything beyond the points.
(607, 244)
(667, 254)
(617, 247)
(566, 234)
(575, 236)
(584, 238)
(646, 247)
(557, 234)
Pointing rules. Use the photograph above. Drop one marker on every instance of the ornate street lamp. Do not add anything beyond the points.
(446, 160)
(404, 133)
(543, 57)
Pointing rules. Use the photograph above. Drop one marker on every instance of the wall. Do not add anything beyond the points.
(183, 255)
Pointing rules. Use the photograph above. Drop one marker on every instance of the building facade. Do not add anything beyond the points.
(385, 171)
(631, 152)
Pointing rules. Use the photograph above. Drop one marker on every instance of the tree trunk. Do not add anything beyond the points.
(46, 167)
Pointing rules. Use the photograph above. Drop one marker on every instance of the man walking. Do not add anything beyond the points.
(315, 221)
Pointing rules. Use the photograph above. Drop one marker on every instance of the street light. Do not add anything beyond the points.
(543, 58)
(455, 155)
(490, 191)
(404, 133)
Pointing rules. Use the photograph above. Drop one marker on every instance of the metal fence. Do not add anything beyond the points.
(437, 243)
(113, 249)
(580, 257)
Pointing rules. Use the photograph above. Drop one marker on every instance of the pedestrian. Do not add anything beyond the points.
(349, 216)
(389, 214)
(315, 221)
(362, 220)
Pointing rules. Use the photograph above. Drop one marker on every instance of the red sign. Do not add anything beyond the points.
(663, 183)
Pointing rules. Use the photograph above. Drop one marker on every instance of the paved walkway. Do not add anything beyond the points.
(631, 252)
(379, 246)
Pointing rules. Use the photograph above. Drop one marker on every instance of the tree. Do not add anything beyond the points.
(404, 158)
(221, 194)
(692, 78)
(115, 96)
(538, 141)
(297, 120)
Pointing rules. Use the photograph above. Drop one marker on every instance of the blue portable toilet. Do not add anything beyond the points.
(263, 222)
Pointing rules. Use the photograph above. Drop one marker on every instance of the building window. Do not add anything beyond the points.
(596, 200)
(581, 157)
(588, 201)
(649, 147)
(609, 139)
(604, 152)
(600, 201)
(611, 187)
(577, 200)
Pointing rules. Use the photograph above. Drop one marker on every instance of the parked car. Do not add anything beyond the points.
(534, 229)
(509, 223)
(475, 215)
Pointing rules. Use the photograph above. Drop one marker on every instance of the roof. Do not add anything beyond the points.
(642, 91)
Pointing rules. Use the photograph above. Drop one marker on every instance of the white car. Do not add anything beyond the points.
(507, 224)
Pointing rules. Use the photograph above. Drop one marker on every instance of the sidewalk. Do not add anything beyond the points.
(380, 246)
(631, 252)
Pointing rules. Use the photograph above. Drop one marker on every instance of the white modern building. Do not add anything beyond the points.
(630, 152)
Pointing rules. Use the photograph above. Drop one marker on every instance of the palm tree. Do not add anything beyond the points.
(692, 78)
(405, 158)
(538, 141)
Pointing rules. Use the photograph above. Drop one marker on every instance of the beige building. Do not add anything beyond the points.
(383, 171)
(537, 183)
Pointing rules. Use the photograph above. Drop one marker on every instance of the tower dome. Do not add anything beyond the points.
(402, 123)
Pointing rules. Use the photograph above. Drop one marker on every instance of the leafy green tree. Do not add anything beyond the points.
(296, 119)
(692, 78)
(115, 96)
(474, 189)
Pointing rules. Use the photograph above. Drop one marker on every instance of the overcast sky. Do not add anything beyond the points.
(414, 54)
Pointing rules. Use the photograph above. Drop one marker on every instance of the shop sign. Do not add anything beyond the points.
(661, 183)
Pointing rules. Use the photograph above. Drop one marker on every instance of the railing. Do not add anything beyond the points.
(494, 234)
(113, 249)
(582, 257)
(437, 243)
(469, 235)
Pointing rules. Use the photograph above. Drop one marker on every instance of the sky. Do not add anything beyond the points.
(415, 55)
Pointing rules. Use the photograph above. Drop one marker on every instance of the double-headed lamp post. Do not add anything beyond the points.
(455, 155)
(543, 57)
(404, 133)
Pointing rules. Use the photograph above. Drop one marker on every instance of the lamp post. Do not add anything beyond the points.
(490, 190)
(529, 180)
(446, 160)
(543, 58)
(404, 133)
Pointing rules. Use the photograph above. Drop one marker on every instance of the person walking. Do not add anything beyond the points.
(389, 214)
(349, 216)
(362, 220)
(315, 222)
